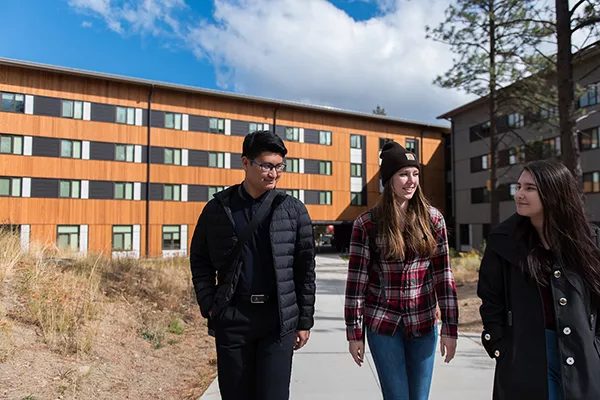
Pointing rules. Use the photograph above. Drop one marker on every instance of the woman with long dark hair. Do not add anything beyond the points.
(539, 283)
(399, 265)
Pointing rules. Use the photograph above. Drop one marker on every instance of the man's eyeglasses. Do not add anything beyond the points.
(267, 167)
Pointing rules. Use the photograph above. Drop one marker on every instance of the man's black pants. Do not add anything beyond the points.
(254, 362)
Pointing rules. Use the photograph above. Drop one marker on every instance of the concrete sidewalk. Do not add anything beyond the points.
(324, 369)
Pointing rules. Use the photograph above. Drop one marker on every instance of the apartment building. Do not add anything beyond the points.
(123, 166)
(471, 161)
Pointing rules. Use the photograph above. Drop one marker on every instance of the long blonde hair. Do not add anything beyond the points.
(392, 222)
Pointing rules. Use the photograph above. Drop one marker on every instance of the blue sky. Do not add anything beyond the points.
(351, 54)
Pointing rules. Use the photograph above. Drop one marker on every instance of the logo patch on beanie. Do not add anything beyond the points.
(410, 156)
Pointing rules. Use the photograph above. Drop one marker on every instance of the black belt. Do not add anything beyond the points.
(254, 298)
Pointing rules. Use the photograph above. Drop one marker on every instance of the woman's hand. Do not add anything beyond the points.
(448, 348)
(357, 349)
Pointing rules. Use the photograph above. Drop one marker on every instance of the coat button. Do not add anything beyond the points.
(557, 274)
(497, 353)
(570, 361)
(567, 331)
(488, 337)
(562, 301)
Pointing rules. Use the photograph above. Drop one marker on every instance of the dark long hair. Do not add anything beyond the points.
(566, 227)
(416, 221)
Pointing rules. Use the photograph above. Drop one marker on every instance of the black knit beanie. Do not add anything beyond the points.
(393, 158)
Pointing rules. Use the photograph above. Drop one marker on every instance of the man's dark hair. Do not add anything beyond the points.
(259, 142)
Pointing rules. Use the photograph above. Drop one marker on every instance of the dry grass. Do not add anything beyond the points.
(465, 266)
(60, 292)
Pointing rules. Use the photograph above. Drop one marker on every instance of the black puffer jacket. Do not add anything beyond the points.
(292, 246)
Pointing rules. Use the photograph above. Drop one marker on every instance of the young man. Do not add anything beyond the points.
(261, 306)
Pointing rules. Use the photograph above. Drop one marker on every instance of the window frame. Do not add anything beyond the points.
(127, 188)
(15, 186)
(126, 147)
(176, 117)
(175, 192)
(290, 163)
(76, 146)
(220, 126)
(325, 168)
(355, 170)
(355, 141)
(325, 197)
(293, 192)
(256, 125)
(124, 234)
(171, 239)
(356, 199)
(77, 228)
(75, 108)
(220, 159)
(15, 108)
(325, 138)
(175, 156)
(295, 134)
(73, 188)
(214, 190)
(12, 143)
(127, 112)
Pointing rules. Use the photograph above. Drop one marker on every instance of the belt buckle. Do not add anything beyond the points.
(258, 298)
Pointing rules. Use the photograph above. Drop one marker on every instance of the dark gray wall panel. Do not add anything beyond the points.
(143, 191)
(311, 136)
(144, 154)
(311, 197)
(157, 155)
(104, 190)
(311, 166)
(239, 128)
(280, 131)
(44, 188)
(198, 123)
(144, 117)
(158, 119)
(45, 147)
(156, 191)
(47, 106)
(236, 161)
(102, 151)
(197, 193)
(104, 113)
(197, 158)
(363, 140)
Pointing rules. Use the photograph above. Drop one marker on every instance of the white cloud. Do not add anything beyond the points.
(309, 50)
(86, 24)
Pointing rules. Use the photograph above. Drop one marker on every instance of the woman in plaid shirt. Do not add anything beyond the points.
(399, 264)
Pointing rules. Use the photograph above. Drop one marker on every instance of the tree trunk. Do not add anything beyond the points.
(494, 200)
(564, 75)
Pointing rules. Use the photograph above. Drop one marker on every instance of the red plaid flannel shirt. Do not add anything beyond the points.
(385, 293)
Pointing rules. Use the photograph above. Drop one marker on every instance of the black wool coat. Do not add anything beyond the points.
(514, 325)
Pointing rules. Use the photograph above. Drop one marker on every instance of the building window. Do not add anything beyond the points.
(173, 120)
(212, 190)
(590, 97)
(411, 145)
(552, 147)
(325, 167)
(292, 165)
(126, 115)
(356, 199)
(293, 192)
(588, 139)
(173, 156)
(516, 120)
(70, 148)
(548, 111)
(171, 237)
(216, 160)
(11, 144)
(67, 237)
(125, 152)
(10, 187)
(13, 102)
(72, 109)
(356, 170)
(325, 198)
(591, 182)
(355, 142)
(480, 195)
(292, 134)
(216, 125)
(124, 191)
(513, 190)
(255, 127)
(383, 141)
(486, 161)
(172, 193)
(70, 189)
(122, 238)
(513, 156)
(325, 138)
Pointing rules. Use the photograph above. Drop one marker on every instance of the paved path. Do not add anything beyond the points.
(324, 369)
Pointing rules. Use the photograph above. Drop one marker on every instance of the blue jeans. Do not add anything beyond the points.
(554, 375)
(404, 367)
